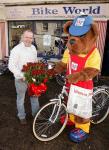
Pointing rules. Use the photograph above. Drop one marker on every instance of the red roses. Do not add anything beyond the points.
(36, 75)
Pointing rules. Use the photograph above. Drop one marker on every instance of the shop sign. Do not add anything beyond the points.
(59, 12)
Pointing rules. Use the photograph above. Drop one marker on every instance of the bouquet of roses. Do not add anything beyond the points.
(37, 75)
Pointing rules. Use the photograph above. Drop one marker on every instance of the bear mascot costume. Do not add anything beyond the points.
(84, 65)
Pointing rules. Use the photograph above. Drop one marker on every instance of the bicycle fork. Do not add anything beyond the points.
(56, 110)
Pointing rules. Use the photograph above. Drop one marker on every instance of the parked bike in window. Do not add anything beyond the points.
(4, 66)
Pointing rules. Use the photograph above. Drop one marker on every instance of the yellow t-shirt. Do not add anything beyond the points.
(94, 60)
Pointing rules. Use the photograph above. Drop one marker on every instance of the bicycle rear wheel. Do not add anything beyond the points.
(100, 106)
(47, 125)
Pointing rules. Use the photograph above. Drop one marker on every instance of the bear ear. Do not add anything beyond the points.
(66, 27)
(95, 31)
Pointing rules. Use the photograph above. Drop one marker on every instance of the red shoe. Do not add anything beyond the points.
(69, 122)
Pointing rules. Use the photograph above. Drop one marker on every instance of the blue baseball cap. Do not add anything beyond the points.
(81, 25)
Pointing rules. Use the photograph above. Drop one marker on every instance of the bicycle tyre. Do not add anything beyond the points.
(43, 128)
(100, 106)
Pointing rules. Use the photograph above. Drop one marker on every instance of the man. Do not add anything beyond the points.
(20, 55)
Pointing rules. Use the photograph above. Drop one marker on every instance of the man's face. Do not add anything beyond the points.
(27, 38)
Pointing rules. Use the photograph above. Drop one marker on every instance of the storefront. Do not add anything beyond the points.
(47, 21)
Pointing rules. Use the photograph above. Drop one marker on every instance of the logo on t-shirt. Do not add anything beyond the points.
(74, 66)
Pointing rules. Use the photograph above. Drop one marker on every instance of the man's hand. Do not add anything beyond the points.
(22, 79)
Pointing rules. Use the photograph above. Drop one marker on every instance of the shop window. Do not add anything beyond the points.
(58, 25)
(45, 26)
(16, 28)
(58, 30)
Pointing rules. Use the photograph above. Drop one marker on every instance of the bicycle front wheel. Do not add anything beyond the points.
(100, 106)
(46, 124)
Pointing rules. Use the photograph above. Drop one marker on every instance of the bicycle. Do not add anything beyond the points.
(4, 66)
(49, 64)
(47, 125)
(100, 104)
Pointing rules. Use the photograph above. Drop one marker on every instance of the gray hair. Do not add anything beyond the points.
(24, 33)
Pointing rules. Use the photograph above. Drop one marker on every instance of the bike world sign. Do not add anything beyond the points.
(57, 12)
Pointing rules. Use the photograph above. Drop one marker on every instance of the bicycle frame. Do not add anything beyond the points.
(43, 124)
(61, 95)
(58, 103)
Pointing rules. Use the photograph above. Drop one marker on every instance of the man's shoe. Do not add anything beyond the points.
(78, 135)
(23, 121)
